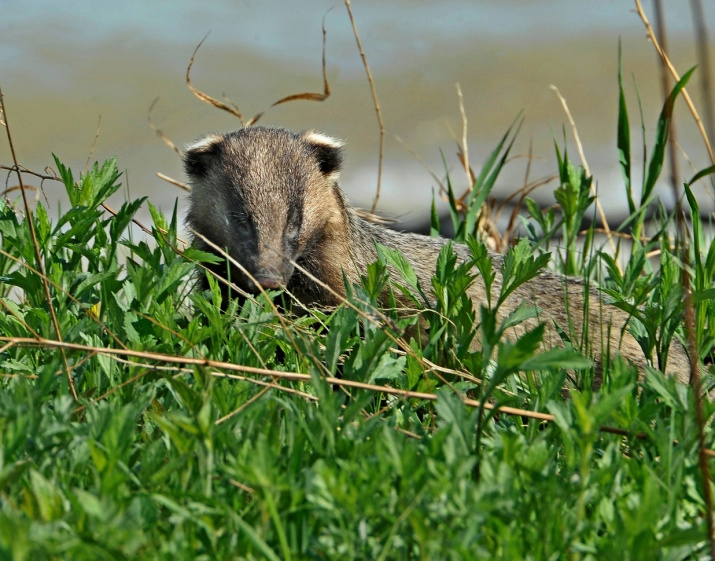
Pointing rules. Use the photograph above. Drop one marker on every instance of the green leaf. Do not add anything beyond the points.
(661, 140)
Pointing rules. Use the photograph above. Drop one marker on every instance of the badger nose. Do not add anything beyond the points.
(267, 281)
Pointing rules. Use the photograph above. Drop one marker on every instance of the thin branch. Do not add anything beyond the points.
(665, 85)
(312, 96)
(295, 376)
(582, 155)
(205, 97)
(36, 246)
(157, 130)
(94, 145)
(676, 77)
(376, 103)
(173, 181)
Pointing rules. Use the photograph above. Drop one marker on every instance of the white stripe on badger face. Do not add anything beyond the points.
(315, 137)
(205, 143)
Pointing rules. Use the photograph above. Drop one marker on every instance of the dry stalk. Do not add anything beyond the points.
(173, 181)
(582, 155)
(36, 247)
(695, 381)
(376, 104)
(416, 156)
(665, 84)
(158, 131)
(312, 96)
(676, 77)
(464, 147)
(230, 108)
(94, 145)
(292, 376)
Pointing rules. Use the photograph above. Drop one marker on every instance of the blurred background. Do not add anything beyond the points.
(63, 66)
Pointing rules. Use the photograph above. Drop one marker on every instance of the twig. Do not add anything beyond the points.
(94, 145)
(577, 139)
(205, 97)
(464, 147)
(157, 130)
(36, 246)
(376, 103)
(676, 77)
(245, 404)
(295, 376)
(312, 96)
(701, 40)
(665, 84)
(419, 158)
(179, 184)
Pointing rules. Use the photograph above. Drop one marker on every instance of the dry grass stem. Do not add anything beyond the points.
(94, 145)
(158, 131)
(294, 376)
(676, 77)
(416, 156)
(582, 155)
(376, 104)
(464, 147)
(36, 247)
(243, 406)
(232, 108)
(173, 181)
(312, 96)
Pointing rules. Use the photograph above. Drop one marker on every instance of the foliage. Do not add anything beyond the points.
(172, 454)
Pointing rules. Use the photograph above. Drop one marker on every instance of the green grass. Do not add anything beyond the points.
(172, 453)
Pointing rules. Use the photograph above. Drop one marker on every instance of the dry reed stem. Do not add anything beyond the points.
(676, 77)
(464, 146)
(36, 247)
(665, 84)
(94, 145)
(689, 318)
(312, 96)
(582, 155)
(376, 104)
(173, 181)
(243, 406)
(241, 486)
(416, 156)
(19, 319)
(207, 98)
(292, 376)
(158, 131)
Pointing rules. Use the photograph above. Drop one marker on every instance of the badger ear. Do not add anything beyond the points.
(198, 155)
(327, 150)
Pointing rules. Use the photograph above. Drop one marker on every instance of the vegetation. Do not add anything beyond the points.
(199, 433)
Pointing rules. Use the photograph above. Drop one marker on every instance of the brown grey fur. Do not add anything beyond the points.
(268, 194)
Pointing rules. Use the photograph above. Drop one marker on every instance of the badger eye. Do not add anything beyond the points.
(241, 225)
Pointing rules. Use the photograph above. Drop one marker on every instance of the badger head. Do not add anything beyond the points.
(267, 196)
